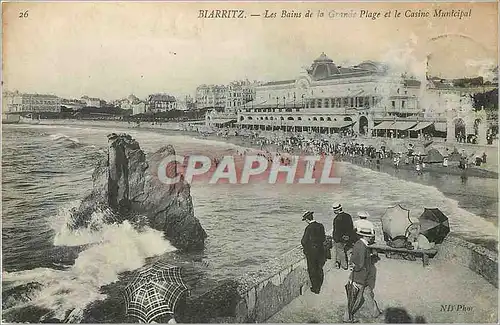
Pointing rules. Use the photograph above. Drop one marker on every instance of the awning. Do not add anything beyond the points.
(421, 126)
(222, 121)
(341, 124)
(402, 126)
(385, 125)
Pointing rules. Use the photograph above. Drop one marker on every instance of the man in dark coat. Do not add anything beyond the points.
(313, 246)
(343, 236)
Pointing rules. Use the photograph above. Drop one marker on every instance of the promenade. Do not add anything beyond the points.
(401, 283)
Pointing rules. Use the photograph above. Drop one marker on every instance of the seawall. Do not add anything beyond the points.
(256, 299)
(478, 259)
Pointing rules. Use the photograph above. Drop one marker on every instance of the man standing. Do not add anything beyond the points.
(343, 235)
(363, 274)
(313, 246)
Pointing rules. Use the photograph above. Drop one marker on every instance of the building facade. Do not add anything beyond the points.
(157, 103)
(93, 102)
(238, 93)
(74, 104)
(15, 102)
(210, 96)
(329, 98)
(138, 108)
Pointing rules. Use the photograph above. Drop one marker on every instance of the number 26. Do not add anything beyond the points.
(23, 14)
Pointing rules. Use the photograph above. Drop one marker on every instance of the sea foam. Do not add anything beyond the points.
(113, 249)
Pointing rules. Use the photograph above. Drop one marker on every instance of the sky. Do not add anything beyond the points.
(111, 50)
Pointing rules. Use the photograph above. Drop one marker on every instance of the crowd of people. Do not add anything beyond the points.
(345, 147)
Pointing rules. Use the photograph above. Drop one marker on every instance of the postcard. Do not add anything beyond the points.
(241, 162)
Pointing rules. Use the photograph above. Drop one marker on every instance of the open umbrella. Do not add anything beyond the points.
(154, 291)
(395, 222)
(355, 298)
(433, 156)
(434, 225)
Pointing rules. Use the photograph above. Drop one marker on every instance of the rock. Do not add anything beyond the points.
(126, 187)
(20, 294)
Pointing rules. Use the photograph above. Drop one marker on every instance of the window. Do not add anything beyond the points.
(403, 104)
(393, 104)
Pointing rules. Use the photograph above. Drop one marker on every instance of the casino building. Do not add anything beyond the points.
(365, 99)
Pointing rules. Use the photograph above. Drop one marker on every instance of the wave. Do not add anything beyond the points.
(59, 136)
(112, 249)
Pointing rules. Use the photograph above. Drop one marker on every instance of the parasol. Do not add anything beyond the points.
(395, 222)
(434, 225)
(154, 292)
(355, 298)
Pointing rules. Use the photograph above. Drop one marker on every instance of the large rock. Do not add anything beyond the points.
(126, 187)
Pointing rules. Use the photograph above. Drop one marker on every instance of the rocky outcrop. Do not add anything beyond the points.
(126, 187)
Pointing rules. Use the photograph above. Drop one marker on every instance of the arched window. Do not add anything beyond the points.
(290, 118)
(315, 118)
(322, 118)
(328, 118)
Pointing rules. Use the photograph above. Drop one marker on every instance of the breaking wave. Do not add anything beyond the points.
(111, 249)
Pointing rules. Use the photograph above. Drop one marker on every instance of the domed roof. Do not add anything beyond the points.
(323, 58)
(323, 67)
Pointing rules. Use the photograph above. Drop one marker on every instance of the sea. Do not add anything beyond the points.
(49, 270)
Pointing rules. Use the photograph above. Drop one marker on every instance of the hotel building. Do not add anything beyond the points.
(15, 102)
(161, 103)
(210, 96)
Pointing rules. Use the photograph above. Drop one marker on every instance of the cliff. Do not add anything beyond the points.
(126, 187)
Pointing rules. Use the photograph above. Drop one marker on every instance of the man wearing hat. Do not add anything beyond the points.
(343, 235)
(364, 272)
(313, 246)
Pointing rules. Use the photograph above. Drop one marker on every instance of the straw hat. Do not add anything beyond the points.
(337, 208)
(308, 215)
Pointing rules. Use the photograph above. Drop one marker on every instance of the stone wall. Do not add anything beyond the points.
(279, 282)
(479, 259)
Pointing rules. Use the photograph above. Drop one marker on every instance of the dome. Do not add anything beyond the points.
(323, 67)
(323, 58)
